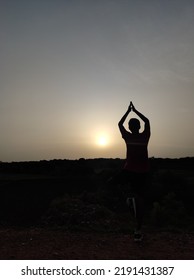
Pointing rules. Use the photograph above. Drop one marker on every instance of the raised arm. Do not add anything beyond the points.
(122, 120)
(146, 121)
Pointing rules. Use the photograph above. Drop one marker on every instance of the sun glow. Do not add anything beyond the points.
(102, 141)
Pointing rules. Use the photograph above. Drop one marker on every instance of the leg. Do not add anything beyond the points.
(136, 204)
(141, 183)
(139, 202)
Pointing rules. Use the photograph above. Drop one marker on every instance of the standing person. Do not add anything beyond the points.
(136, 168)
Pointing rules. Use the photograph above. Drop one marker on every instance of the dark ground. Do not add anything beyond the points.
(61, 209)
(38, 243)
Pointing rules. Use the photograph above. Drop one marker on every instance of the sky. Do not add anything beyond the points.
(69, 70)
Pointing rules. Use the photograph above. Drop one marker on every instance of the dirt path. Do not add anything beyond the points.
(39, 243)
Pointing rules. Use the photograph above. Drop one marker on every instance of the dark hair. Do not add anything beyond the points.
(134, 124)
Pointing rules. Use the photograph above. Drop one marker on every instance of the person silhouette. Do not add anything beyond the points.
(135, 172)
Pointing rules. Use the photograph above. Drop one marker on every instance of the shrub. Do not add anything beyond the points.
(169, 212)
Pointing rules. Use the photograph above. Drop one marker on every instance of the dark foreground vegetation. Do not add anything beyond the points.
(62, 209)
(72, 194)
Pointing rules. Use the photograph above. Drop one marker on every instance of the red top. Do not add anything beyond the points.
(137, 153)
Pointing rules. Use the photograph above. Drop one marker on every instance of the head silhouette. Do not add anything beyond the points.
(134, 125)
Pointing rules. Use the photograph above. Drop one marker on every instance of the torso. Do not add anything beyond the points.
(137, 153)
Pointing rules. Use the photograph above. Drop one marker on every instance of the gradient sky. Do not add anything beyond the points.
(69, 69)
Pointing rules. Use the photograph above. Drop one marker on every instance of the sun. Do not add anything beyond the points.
(102, 141)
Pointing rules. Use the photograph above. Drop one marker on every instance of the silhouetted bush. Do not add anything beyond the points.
(169, 211)
(74, 193)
